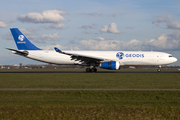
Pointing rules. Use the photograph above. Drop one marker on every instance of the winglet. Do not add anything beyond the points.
(57, 50)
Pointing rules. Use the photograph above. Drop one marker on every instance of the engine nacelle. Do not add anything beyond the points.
(113, 65)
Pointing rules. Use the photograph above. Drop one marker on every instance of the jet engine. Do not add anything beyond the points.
(112, 65)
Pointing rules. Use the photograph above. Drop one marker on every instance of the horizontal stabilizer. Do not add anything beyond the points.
(23, 53)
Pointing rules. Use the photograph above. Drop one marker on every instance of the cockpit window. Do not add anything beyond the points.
(170, 55)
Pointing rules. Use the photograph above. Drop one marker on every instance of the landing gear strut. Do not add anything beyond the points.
(159, 68)
(91, 69)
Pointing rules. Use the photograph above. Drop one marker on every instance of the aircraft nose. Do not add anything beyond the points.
(174, 59)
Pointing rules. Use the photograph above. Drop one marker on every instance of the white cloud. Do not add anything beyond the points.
(48, 16)
(168, 20)
(87, 32)
(161, 43)
(99, 14)
(92, 26)
(51, 47)
(99, 38)
(3, 24)
(30, 33)
(175, 35)
(162, 18)
(174, 25)
(54, 25)
(112, 28)
(97, 44)
(7, 36)
(50, 37)
(57, 26)
(104, 29)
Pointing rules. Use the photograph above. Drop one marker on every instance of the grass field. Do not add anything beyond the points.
(90, 104)
(90, 80)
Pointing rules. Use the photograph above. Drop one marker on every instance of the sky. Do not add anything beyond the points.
(103, 25)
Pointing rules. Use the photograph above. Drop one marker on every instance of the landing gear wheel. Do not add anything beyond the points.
(91, 70)
(95, 70)
(88, 69)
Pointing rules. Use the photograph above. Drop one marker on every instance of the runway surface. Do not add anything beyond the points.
(90, 72)
(61, 89)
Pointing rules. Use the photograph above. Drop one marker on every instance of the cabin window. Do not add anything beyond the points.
(170, 55)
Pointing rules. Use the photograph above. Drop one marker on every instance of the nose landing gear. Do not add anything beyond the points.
(159, 68)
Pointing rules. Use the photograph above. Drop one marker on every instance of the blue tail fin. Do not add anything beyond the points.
(21, 41)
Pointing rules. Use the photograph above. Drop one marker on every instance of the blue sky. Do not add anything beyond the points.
(91, 25)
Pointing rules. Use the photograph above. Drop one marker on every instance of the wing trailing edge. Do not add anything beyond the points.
(82, 58)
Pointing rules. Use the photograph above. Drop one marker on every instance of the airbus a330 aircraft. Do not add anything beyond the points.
(112, 60)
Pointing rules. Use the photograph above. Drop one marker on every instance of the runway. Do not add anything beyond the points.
(61, 89)
(110, 71)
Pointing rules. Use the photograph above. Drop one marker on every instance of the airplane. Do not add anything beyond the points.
(112, 60)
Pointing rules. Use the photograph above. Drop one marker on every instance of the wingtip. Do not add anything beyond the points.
(8, 48)
(57, 50)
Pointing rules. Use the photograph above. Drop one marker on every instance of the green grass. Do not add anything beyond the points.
(89, 113)
(75, 105)
(89, 105)
(107, 98)
(90, 80)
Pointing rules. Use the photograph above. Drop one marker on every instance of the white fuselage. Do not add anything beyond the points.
(128, 57)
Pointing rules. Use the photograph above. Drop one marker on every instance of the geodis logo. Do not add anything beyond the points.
(21, 38)
(121, 55)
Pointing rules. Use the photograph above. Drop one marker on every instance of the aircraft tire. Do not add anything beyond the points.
(88, 69)
(158, 70)
(95, 70)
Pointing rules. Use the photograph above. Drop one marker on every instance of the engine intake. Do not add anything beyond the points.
(112, 65)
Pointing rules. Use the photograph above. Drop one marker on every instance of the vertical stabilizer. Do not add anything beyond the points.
(21, 41)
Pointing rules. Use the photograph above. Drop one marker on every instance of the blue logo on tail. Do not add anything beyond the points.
(21, 37)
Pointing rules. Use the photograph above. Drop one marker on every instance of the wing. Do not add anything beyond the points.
(82, 58)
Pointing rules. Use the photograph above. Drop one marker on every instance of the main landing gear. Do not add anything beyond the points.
(91, 69)
(159, 68)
